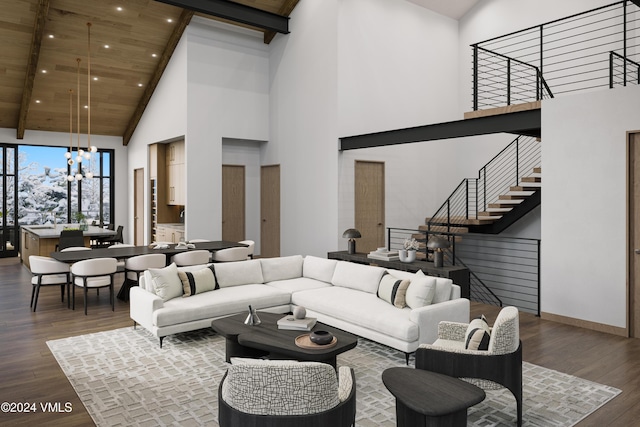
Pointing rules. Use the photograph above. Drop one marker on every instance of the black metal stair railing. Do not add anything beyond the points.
(572, 53)
(474, 195)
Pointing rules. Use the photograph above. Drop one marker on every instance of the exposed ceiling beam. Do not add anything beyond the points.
(184, 20)
(236, 12)
(523, 122)
(32, 64)
(285, 10)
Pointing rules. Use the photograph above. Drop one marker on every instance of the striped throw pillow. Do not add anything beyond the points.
(478, 334)
(393, 290)
(198, 281)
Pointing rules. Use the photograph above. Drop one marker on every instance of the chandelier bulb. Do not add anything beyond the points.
(67, 155)
(87, 155)
(89, 175)
(94, 149)
(70, 162)
(70, 178)
(78, 177)
(80, 152)
(79, 159)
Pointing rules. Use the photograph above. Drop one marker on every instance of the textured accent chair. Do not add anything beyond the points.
(195, 257)
(265, 393)
(499, 366)
(251, 245)
(48, 272)
(93, 273)
(231, 254)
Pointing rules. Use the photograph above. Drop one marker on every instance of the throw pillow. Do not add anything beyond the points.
(443, 288)
(393, 290)
(478, 334)
(166, 282)
(421, 291)
(196, 282)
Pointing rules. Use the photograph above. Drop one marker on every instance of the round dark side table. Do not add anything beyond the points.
(425, 398)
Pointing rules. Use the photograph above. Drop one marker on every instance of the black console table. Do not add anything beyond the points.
(459, 275)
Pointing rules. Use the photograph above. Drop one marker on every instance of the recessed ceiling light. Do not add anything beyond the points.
(44, 71)
(119, 9)
(95, 79)
(50, 36)
(37, 101)
(139, 84)
(106, 46)
(169, 20)
(86, 107)
(154, 55)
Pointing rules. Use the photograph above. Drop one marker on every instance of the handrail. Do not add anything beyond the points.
(574, 50)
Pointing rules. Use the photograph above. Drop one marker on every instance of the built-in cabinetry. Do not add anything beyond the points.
(169, 233)
(175, 173)
(166, 188)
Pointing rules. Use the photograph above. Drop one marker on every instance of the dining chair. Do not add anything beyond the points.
(93, 273)
(48, 272)
(121, 262)
(69, 238)
(231, 254)
(110, 240)
(134, 267)
(251, 246)
(200, 241)
(194, 257)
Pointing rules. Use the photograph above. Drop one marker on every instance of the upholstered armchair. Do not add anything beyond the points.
(261, 393)
(496, 367)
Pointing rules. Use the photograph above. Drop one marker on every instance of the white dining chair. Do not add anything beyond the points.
(231, 254)
(134, 267)
(251, 246)
(93, 273)
(121, 262)
(48, 272)
(194, 257)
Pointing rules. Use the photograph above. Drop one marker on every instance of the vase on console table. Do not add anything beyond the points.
(407, 255)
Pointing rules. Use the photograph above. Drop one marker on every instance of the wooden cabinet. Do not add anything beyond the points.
(169, 234)
(175, 165)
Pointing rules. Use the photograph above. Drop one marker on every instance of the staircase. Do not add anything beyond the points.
(507, 188)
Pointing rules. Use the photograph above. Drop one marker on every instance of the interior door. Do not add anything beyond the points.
(138, 207)
(633, 226)
(9, 236)
(233, 203)
(270, 211)
(369, 205)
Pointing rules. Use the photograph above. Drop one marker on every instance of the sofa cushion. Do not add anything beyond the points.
(166, 283)
(238, 273)
(364, 278)
(319, 268)
(393, 290)
(421, 291)
(298, 284)
(359, 308)
(281, 268)
(221, 302)
(443, 288)
(477, 335)
(196, 282)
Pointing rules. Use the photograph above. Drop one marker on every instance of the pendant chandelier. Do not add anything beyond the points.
(80, 153)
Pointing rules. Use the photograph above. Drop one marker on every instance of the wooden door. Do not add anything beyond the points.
(270, 211)
(138, 207)
(369, 205)
(633, 246)
(233, 203)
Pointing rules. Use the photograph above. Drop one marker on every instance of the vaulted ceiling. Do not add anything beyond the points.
(131, 44)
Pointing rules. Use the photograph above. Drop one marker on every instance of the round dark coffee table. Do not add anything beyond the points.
(425, 398)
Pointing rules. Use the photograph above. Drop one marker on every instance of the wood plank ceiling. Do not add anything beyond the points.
(130, 48)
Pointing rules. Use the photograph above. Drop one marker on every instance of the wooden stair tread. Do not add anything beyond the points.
(530, 179)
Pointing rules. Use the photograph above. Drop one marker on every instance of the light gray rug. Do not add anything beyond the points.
(124, 379)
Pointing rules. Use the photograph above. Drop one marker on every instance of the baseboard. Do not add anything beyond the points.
(600, 327)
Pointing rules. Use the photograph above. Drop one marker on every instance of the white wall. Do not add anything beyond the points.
(303, 128)
(584, 204)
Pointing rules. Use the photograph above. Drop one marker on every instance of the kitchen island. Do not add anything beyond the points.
(42, 239)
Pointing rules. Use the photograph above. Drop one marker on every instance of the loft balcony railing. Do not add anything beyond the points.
(598, 48)
(473, 195)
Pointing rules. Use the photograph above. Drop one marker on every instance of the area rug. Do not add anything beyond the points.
(124, 378)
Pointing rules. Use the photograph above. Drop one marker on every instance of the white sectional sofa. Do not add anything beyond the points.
(353, 297)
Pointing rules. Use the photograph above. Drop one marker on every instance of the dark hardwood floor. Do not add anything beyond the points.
(30, 374)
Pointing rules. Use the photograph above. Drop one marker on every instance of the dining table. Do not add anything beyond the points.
(130, 251)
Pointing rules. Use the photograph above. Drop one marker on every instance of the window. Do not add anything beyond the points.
(44, 193)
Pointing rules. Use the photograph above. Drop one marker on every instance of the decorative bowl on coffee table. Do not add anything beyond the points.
(320, 337)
